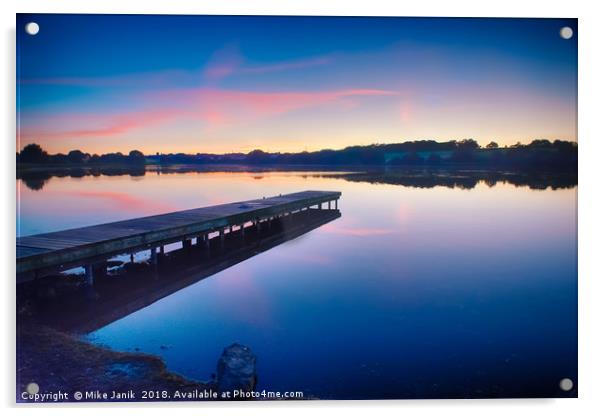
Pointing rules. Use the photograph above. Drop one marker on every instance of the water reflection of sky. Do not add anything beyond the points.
(412, 291)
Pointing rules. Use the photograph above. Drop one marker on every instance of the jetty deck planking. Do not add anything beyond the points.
(68, 247)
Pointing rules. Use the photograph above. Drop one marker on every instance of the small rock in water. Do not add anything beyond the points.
(236, 369)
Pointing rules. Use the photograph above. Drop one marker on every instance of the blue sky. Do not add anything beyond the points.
(234, 83)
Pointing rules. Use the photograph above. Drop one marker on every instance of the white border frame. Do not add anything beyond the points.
(590, 152)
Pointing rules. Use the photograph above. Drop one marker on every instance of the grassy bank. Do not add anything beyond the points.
(57, 361)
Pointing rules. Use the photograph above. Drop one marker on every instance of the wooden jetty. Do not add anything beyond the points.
(126, 292)
(90, 247)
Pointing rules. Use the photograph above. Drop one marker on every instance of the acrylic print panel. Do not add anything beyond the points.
(297, 208)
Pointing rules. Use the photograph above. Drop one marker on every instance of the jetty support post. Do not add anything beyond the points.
(154, 262)
(153, 256)
(89, 275)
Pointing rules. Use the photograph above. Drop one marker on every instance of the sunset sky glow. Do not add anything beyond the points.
(221, 84)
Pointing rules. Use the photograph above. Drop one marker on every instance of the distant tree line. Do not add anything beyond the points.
(34, 154)
(537, 154)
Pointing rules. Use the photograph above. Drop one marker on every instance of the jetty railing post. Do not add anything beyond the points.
(336, 204)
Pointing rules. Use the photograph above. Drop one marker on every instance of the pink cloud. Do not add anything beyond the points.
(223, 63)
(93, 125)
(229, 61)
(210, 105)
(219, 105)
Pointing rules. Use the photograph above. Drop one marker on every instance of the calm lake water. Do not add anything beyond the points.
(414, 292)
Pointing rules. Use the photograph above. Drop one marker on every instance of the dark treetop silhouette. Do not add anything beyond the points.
(539, 154)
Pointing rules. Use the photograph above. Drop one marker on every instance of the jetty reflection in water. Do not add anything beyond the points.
(139, 284)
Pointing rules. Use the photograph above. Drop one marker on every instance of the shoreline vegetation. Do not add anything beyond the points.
(59, 361)
(543, 154)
